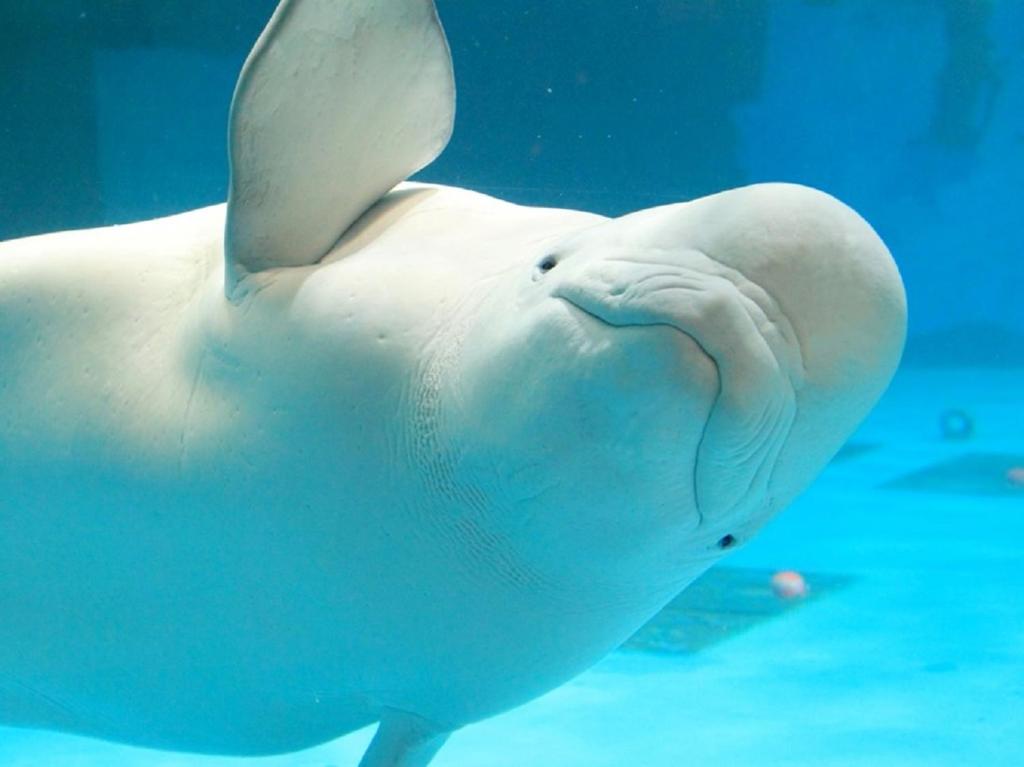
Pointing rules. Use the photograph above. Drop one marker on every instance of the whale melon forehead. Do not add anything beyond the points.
(837, 284)
(826, 280)
(828, 269)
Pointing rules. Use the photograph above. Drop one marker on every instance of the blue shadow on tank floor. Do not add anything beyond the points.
(722, 603)
(852, 450)
(971, 474)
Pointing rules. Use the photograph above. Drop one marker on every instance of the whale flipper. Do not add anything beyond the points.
(339, 101)
(403, 740)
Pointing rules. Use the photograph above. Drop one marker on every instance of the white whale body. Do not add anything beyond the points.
(352, 449)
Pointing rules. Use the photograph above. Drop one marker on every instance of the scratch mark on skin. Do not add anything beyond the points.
(183, 438)
(50, 709)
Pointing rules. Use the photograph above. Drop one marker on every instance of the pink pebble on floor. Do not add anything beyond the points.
(1015, 476)
(789, 584)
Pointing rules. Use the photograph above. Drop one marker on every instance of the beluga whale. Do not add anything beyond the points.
(351, 449)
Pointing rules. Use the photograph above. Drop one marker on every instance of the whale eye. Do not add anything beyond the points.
(726, 542)
(546, 264)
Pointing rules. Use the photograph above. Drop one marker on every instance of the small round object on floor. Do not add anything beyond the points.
(1015, 476)
(956, 424)
(789, 584)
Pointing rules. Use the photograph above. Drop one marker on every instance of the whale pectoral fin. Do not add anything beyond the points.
(403, 740)
(338, 101)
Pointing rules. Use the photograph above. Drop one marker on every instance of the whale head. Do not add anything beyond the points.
(654, 388)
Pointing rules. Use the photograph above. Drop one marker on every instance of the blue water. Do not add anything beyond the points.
(911, 112)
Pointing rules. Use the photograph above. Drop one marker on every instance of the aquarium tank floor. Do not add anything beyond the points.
(909, 653)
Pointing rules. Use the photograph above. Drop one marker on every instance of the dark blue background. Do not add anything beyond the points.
(912, 111)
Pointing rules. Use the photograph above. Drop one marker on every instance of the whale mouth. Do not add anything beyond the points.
(679, 289)
(743, 332)
(592, 313)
